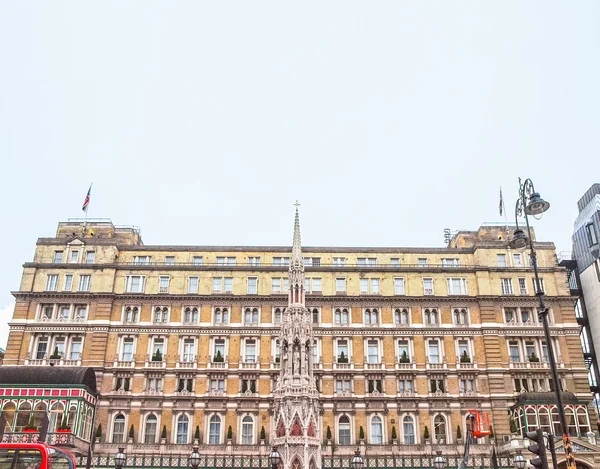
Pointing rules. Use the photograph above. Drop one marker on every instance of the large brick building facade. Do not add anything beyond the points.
(185, 337)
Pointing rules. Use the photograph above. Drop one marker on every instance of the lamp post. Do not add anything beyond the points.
(357, 461)
(530, 203)
(274, 458)
(439, 462)
(520, 461)
(120, 458)
(194, 458)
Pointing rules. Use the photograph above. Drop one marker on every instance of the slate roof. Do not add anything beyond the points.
(49, 375)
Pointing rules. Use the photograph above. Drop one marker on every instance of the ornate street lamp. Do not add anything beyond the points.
(520, 461)
(531, 203)
(357, 461)
(120, 459)
(439, 462)
(274, 458)
(194, 458)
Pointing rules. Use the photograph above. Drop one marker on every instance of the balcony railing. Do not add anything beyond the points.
(119, 362)
(460, 365)
(436, 366)
(188, 362)
(150, 363)
(349, 365)
(52, 361)
(401, 365)
(63, 319)
(218, 365)
(248, 365)
(373, 366)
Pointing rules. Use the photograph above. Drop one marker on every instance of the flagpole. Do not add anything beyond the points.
(87, 207)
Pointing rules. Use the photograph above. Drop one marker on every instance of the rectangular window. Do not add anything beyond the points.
(142, 260)
(428, 286)
(170, 260)
(403, 351)
(252, 285)
(395, 261)
(228, 284)
(517, 260)
(64, 312)
(367, 261)
(457, 286)
(276, 285)
(217, 385)
(281, 261)
(47, 311)
(250, 351)
(342, 385)
(217, 284)
(84, 282)
(219, 348)
(375, 286)
(399, 286)
(286, 285)
(42, 347)
(513, 350)
(74, 258)
(68, 286)
(90, 257)
(80, 311)
(522, 286)
(591, 233)
(135, 284)
(535, 286)
(76, 349)
(507, 288)
(52, 282)
(373, 351)
(463, 349)
(58, 257)
(466, 385)
(450, 263)
(316, 285)
(501, 260)
(221, 260)
(434, 351)
(422, 262)
(163, 284)
(340, 285)
(364, 285)
(193, 284)
(339, 261)
(436, 385)
(342, 351)
(127, 354)
(254, 260)
(405, 385)
(197, 260)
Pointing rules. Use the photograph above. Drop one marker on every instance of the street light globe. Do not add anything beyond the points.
(520, 461)
(357, 460)
(536, 205)
(274, 457)
(439, 462)
(194, 458)
(519, 240)
(120, 458)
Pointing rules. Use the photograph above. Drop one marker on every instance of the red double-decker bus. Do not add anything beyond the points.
(34, 456)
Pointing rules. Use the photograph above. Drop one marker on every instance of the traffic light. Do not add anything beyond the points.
(539, 448)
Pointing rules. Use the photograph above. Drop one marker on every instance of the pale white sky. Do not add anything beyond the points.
(203, 122)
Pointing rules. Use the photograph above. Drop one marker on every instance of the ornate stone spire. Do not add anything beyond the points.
(296, 399)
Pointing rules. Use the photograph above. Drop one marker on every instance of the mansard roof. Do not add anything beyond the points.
(48, 376)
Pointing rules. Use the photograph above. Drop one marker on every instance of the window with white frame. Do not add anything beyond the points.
(374, 385)
(222, 284)
(367, 261)
(401, 316)
(118, 433)
(64, 312)
(188, 350)
(253, 260)
(450, 263)
(535, 289)
(58, 257)
(219, 352)
(193, 284)
(127, 347)
(131, 314)
(340, 285)
(439, 429)
(372, 351)
(514, 351)
(150, 429)
(226, 260)
(251, 316)
(59, 346)
(46, 312)
(433, 351)
(427, 286)
(217, 384)
(76, 348)
(169, 260)
(163, 284)
(157, 351)
(408, 430)
(422, 262)
(344, 430)
(250, 351)
(74, 257)
(339, 261)
(161, 314)
(135, 283)
(395, 262)
(371, 316)
(406, 386)
(52, 282)
(247, 430)
(84, 282)
(190, 315)
(431, 316)
(313, 285)
(185, 384)
(142, 260)
(221, 315)
(460, 316)
(457, 286)
(281, 261)
(80, 312)
(517, 259)
(214, 430)
(522, 286)
(507, 287)
(42, 348)
(376, 430)
(90, 257)
(466, 385)
(197, 260)
(501, 259)
(437, 385)
(375, 286)
(399, 286)
(183, 424)
(341, 316)
(252, 285)
(343, 353)
(464, 351)
(404, 355)
(312, 261)
(277, 315)
(68, 285)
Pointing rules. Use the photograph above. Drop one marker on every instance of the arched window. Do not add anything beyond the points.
(374, 316)
(555, 420)
(315, 316)
(544, 418)
(570, 417)
(190, 315)
(344, 430)
(401, 316)
(38, 413)
(251, 315)
(150, 429)
(434, 316)
(9, 411)
(439, 426)
(531, 417)
(583, 421)
(345, 316)
(460, 316)
(23, 415)
(519, 420)
(118, 429)
(247, 430)
(183, 423)
(367, 316)
(214, 430)
(376, 430)
(277, 316)
(161, 314)
(408, 430)
(131, 314)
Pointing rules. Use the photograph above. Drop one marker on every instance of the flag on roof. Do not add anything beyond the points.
(501, 205)
(86, 202)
